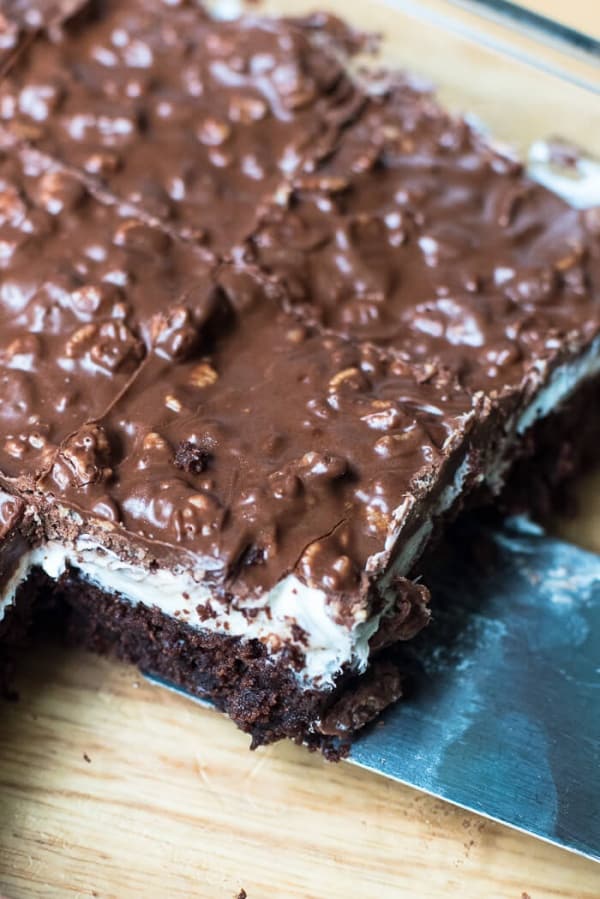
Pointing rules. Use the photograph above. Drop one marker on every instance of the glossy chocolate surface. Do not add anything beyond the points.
(193, 120)
(11, 512)
(21, 20)
(80, 285)
(418, 235)
(303, 326)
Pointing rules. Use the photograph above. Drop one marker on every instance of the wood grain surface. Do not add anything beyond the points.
(112, 788)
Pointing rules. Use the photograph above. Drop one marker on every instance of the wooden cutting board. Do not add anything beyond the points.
(112, 788)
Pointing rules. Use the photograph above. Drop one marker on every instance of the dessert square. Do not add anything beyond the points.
(242, 490)
(266, 327)
(194, 121)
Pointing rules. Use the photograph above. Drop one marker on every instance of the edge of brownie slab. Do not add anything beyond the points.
(541, 481)
(259, 693)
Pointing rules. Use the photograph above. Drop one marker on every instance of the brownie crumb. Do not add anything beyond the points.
(358, 705)
(242, 895)
(191, 458)
(86, 758)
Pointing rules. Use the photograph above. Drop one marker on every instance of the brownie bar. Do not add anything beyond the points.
(196, 122)
(275, 524)
(266, 329)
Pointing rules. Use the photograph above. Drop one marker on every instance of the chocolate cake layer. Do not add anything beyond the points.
(264, 329)
(238, 676)
(197, 122)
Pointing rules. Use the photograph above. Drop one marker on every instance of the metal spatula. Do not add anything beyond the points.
(505, 717)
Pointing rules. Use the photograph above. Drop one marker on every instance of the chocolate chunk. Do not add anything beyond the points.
(84, 459)
(191, 458)
(175, 334)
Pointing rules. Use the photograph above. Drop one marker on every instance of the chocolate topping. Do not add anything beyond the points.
(81, 284)
(11, 513)
(418, 235)
(282, 399)
(21, 19)
(313, 443)
(196, 122)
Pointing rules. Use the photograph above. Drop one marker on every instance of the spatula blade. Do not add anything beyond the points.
(505, 714)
